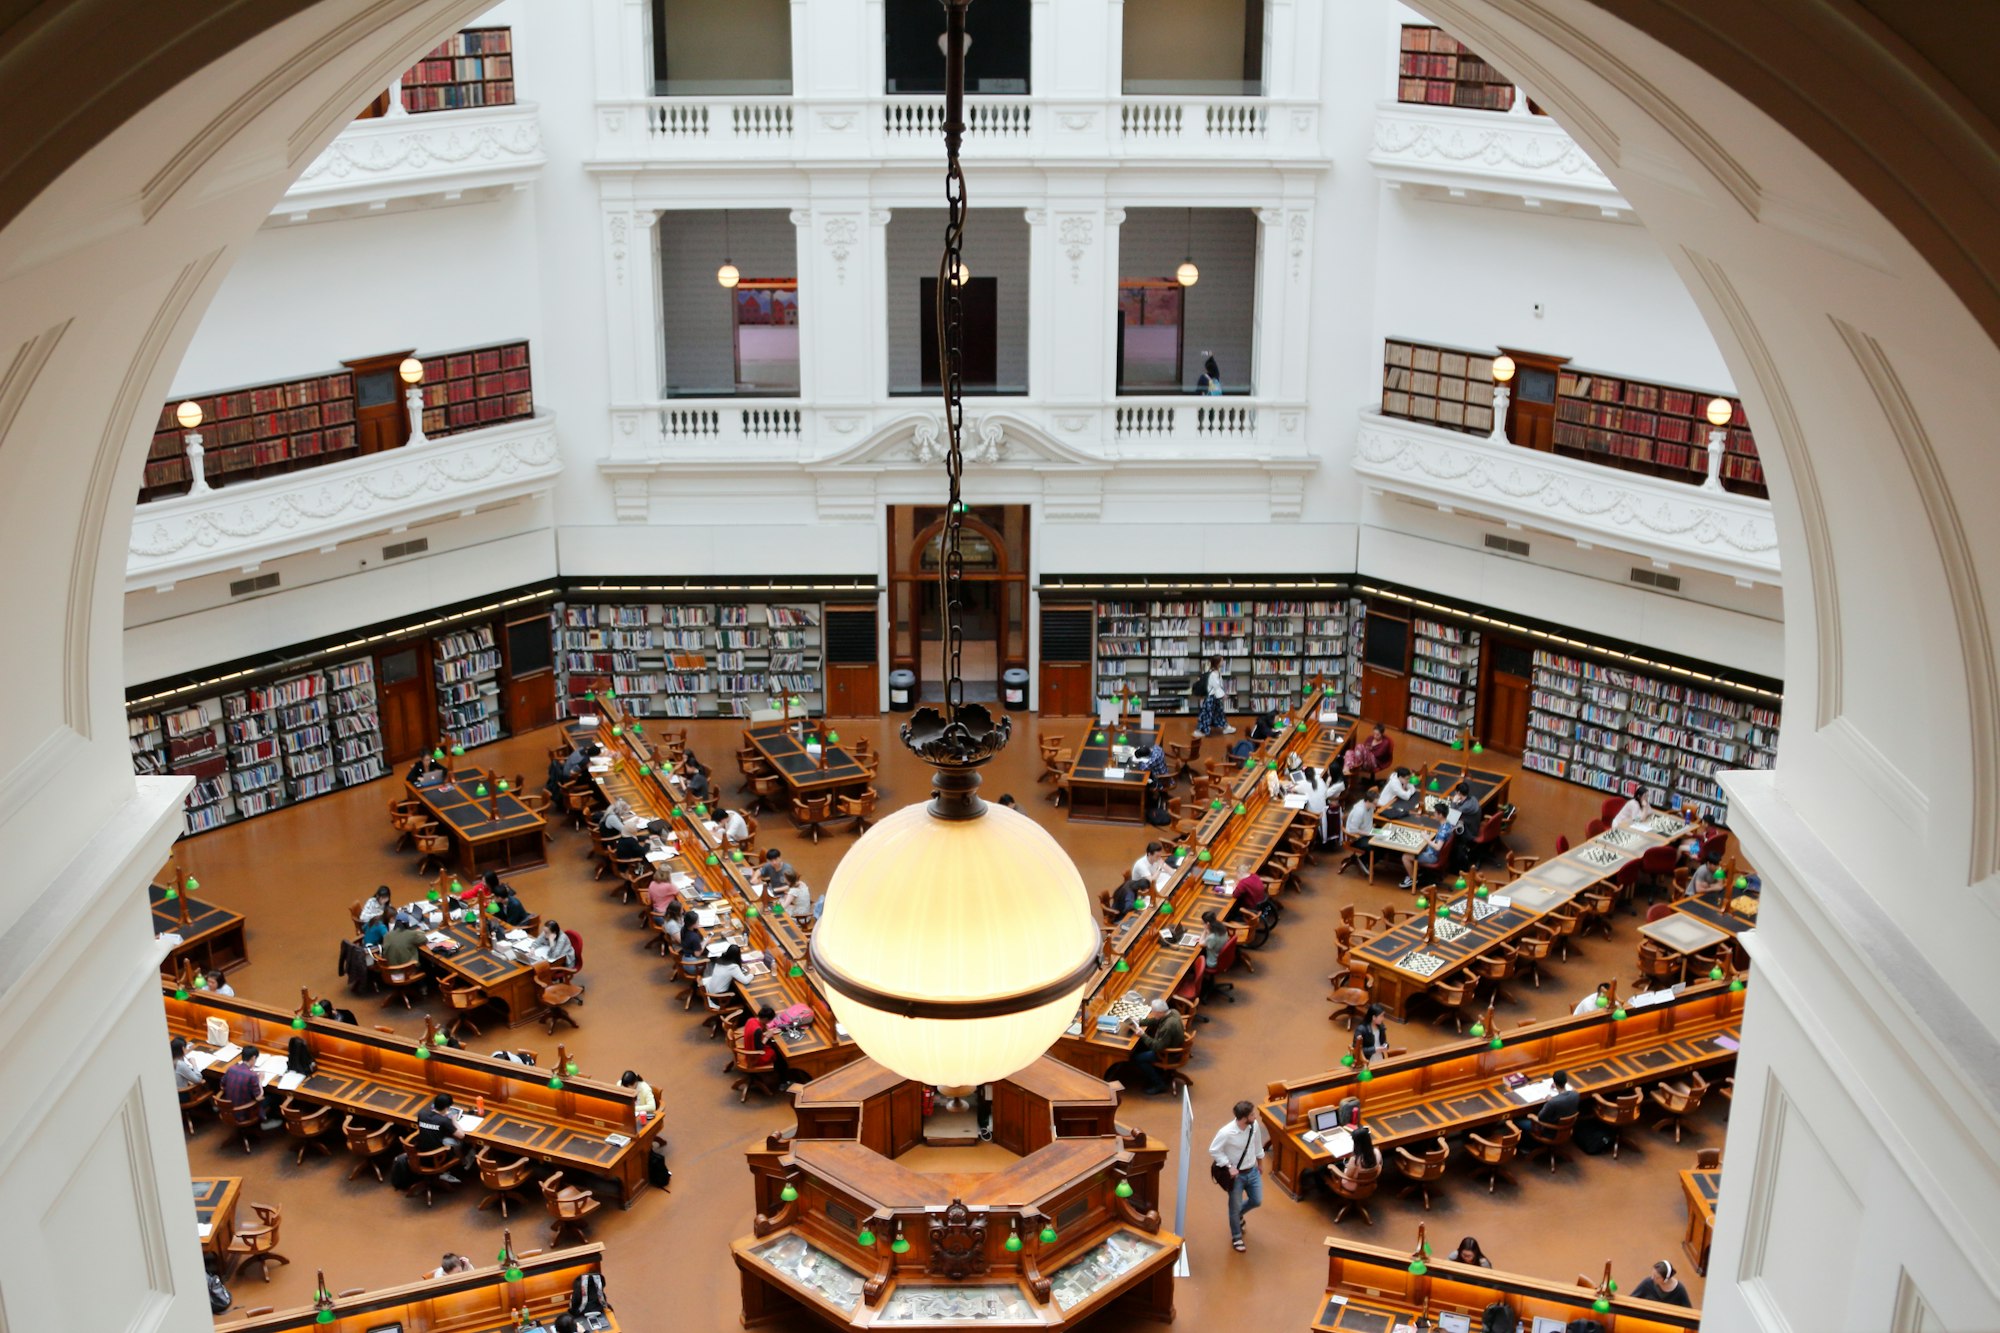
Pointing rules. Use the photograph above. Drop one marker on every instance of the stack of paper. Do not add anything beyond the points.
(1538, 1091)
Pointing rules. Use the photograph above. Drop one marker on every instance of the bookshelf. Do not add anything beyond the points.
(691, 660)
(1435, 69)
(256, 761)
(1444, 680)
(357, 726)
(1124, 649)
(194, 749)
(1277, 640)
(467, 667)
(305, 741)
(255, 431)
(1154, 649)
(1173, 646)
(477, 386)
(1646, 427)
(474, 67)
(148, 737)
(1326, 643)
(1225, 633)
(1441, 386)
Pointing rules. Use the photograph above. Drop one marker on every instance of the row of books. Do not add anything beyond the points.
(687, 659)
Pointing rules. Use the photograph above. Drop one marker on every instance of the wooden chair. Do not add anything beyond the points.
(1172, 1063)
(429, 1168)
(402, 981)
(1492, 969)
(859, 806)
(1657, 966)
(1360, 851)
(245, 1121)
(559, 992)
(1677, 1101)
(1550, 1139)
(862, 749)
(1531, 953)
(354, 915)
(1564, 921)
(308, 1129)
(690, 976)
(199, 1099)
(463, 999)
(1519, 865)
(1454, 1003)
(1354, 1193)
(1421, 1171)
(579, 799)
(503, 1181)
(1615, 1113)
(748, 845)
(808, 815)
(1055, 759)
(256, 1244)
(751, 1074)
(369, 1143)
(724, 1017)
(406, 816)
(1707, 1159)
(767, 792)
(1180, 758)
(1598, 904)
(1491, 1156)
(631, 872)
(570, 1210)
(433, 847)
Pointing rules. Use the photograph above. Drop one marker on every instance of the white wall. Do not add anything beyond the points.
(696, 310)
(996, 246)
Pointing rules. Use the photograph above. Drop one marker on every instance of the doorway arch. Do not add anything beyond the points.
(995, 619)
(1822, 176)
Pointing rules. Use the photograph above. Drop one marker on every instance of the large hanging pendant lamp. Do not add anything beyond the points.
(728, 275)
(957, 937)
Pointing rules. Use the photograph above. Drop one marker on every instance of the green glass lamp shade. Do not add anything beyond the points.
(1736, 984)
(1603, 1002)
(713, 859)
(1098, 739)
(798, 970)
(1719, 873)
(471, 917)
(1601, 1305)
(1123, 1189)
(1481, 892)
(1496, 1043)
(610, 693)
(1477, 748)
(1283, 722)
(1611, 1285)
(590, 695)
(512, 1275)
(833, 738)
(864, 1238)
(777, 909)
(438, 753)
(1241, 808)
(1422, 903)
(1365, 1076)
(753, 911)
(1457, 744)
(617, 730)
(170, 893)
(1121, 738)
(788, 1194)
(555, 1082)
(433, 895)
(1715, 974)
(503, 786)
(1121, 965)
(1418, 1268)
(1459, 883)
(318, 1009)
(1013, 1245)
(457, 887)
(1201, 855)
(1478, 1029)
(702, 809)
(736, 855)
(1048, 1236)
(193, 884)
(899, 1246)
(679, 813)
(1742, 883)
(180, 993)
(458, 751)
(200, 981)
(323, 1317)
(1433, 786)
(422, 1052)
(637, 727)
(1348, 1059)
(1215, 804)
(480, 790)
(1618, 1015)
(299, 1024)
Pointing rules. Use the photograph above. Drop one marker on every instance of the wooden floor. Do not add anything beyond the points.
(294, 872)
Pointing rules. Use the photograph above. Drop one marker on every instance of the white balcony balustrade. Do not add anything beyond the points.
(439, 156)
(1507, 157)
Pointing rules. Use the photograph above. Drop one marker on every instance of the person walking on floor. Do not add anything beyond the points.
(1214, 715)
(1235, 1151)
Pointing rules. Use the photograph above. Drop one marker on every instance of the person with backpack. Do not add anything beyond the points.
(586, 1295)
(1212, 691)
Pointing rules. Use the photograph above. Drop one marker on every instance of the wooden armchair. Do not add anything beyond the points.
(1355, 1191)
(724, 1017)
(1565, 921)
(432, 847)
(354, 915)
(1422, 1170)
(808, 815)
(1359, 850)
(754, 766)
(1550, 1139)
(464, 1000)
(767, 792)
(309, 1130)
(429, 1168)
(1180, 758)
(1598, 905)
(1707, 1159)
(858, 806)
(631, 873)
(256, 1244)
(401, 981)
(559, 992)
(1454, 1002)
(406, 816)
(1172, 1063)
(1657, 966)
(754, 1070)
(1677, 1101)
(198, 1099)
(503, 1181)
(369, 1143)
(1519, 865)
(1492, 969)
(1492, 1156)
(1055, 759)
(245, 1121)
(570, 1210)
(1531, 953)
(1615, 1113)
(688, 975)
(579, 799)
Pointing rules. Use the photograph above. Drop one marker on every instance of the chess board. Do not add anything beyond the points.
(1421, 963)
(1401, 837)
(1449, 930)
(1481, 909)
(1131, 1006)
(1619, 837)
(1666, 826)
(1604, 858)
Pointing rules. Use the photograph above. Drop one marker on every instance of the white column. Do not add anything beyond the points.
(1114, 48)
(197, 468)
(396, 107)
(841, 338)
(1290, 69)
(1075, 282)
(1274, 354)
(1718, 443)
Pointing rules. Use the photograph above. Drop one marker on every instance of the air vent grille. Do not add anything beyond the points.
(414, 546)
(255, 583)
(1508, 545)
(1653, 578)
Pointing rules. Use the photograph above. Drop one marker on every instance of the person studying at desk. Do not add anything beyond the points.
(1152, 865)
(1561, 1104)
(1397, 791)
(553, 946)
(1638, 808)
(1596, 1000)
(377, 907)
(401, 945)
(1160, 1031)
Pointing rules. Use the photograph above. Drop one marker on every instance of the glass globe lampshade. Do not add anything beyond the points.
(961, 275)
(1187, 275)
(189, 415)
(1719, 411)
(411, 370)
(728, 275)
(955, 950)
(1503, 369)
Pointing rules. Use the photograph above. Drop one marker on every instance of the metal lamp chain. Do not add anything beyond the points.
(951, 361)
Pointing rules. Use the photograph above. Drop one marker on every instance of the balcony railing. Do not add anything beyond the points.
(445, 155)
(1492, 155)
(752, 129)
(1668, 521)
(206, 533)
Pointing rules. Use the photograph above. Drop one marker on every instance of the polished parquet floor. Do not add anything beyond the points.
(294, 872)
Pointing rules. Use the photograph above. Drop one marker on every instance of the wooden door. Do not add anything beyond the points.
(380, 419)
(981, 348)
(1068, 636)
(529, 695)
(852, 688)
(1506, 671)
(1531, 412)
(403, 698)
(1385, 668)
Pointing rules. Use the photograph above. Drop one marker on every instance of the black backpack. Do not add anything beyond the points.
(658, 1173)
(586, 1294)
(219, 1298)
(1593, 1136)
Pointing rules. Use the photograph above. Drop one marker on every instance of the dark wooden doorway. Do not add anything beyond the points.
(995, 620)
(1506, 670)
(1067, 637)
(530, 694)
(1531, 412)
(1385, 668)
(852, 681)
(403, 696)
(380, 419)
(981, 299)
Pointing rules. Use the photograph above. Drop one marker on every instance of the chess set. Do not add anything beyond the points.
(1449, 930)
(1402, 837)
(1129, 1005)
(1421, 963)
(1666, 826)
(1481, 909)
(1619, 837)
(1604, 858)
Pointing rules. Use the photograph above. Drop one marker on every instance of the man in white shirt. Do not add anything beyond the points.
(1361, 816)
(1597, 999)
(1237, 1148)
(1152, 864)
(1638, 808)
(1399, 788)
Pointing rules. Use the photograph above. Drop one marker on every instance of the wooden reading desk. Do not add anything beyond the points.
(1701, 1188)
(584, 1126)
(211, 936)
(1490, 786)
(1370, 1289)
(215, 1212)
(481, 1301)
(1099, 789)
(507, 979)
(816, 1050)
(1237, 844)
(1408, 959)
(1463, 1086)
(805, 774)
(486, 834)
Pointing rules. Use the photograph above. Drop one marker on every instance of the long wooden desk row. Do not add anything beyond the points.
(818, 1048)
(1408, 959)
(211, 936)
(496, 831)
(1464, 1085)
(583, 1126)
(1370, 1289)
(1237, 844)
(482, 1301)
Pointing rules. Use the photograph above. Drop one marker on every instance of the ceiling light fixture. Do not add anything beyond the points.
(957, 937)
(1187, 275)
(728, 275)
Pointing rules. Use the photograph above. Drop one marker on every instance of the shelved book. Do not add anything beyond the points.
(1436, 69)
(479, 386)
(1441, 386)
(1648, 427)
(1444, 680)
(474, 67)
(1154, 650)
(467, 671)
(689, 659)
(254, 431)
